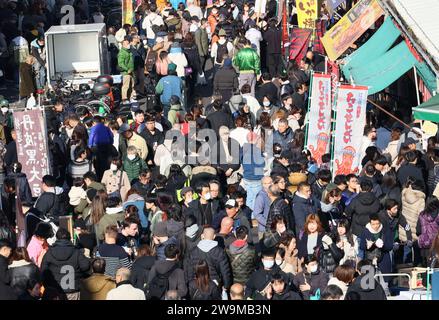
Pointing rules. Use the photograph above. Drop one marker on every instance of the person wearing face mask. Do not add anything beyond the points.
(201, 208)
(282, 263)
(312, 281)
(258, 286)
(267, 106)
(133, 164)
(115, 180)
(129, 138)
(6, 120)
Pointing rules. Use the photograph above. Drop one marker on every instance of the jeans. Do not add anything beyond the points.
(252, 187)
(40, 76)
(150, 42)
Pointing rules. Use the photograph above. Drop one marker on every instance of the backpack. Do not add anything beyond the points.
(150, 61)
(430, 228)
(221, 51)
(159, 285)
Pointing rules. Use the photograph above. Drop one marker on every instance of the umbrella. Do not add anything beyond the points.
(428, 110)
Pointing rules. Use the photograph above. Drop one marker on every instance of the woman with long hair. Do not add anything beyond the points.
(202, 287)
(162, 63)
(390, 186)
(312, 236)
(22, 270)
(141, 266)
(297, 145)
(332, 210)
(401, 157)
(272, 237)
(345, 240)
(289, 244)
(97, 210)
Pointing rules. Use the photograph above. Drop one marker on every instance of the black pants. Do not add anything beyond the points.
(274, 64)
(102, 155)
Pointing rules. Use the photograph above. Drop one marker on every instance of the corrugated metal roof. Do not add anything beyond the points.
(96, 27)
(420, 18)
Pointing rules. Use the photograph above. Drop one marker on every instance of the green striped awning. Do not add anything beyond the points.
(428, 110)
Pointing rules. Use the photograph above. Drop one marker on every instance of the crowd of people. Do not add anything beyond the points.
(162, 211)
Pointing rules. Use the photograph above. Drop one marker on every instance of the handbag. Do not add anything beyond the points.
(188, 71)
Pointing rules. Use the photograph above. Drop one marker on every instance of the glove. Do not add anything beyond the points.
(409, 243)
(395, 246)
(379, 243)
(327, 239)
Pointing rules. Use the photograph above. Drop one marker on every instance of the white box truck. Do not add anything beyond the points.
(77, 53)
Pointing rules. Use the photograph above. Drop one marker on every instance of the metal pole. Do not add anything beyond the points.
(389, 114)
(416, 85)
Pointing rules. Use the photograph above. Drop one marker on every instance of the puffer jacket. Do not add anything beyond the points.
(177, 57)
(243, 261)
(413, 202)
(247, 60)
(219, 267)
(359, 210)
(329, 257)
(96, 287)
(125, 61)
(63, 253)
(20, 273)
(133, 167)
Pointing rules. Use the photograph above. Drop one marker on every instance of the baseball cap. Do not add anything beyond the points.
(124, 128)
(222, 33)
(231, 203)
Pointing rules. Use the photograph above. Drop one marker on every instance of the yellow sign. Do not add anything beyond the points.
(349, 28)
(307, 13)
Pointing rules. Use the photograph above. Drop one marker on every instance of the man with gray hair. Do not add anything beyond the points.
(124, 289)
(262, 206)
(284, 134)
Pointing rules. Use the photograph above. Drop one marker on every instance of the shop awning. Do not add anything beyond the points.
(428, 110)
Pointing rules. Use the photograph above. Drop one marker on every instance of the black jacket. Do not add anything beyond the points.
(260, 279)
(280, 207)
(24, 188)
(151, 139)
(7, 293)
(267, 89)
(287, 294)
(273, 37)
(301, 209)
(410, 170)
(375, 293)
(317, 281)
(393, 224)
(213, 292)
(226, 82)
(196, 210)
(329, 258)
(359, 209)
(21, 274)
(140, 271)
(63, 253)
(279, 170)
(176, 278)
(219, 267)
(302, 245)
(220, 118)
(4, 272)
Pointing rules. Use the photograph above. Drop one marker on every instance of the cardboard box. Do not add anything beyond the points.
(416, 278)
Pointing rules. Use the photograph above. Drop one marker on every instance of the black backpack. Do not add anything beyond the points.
(150, 61)
(221, 52)
(159, 285)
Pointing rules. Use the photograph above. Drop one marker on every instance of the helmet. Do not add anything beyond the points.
(101, 89)
(105, 79)
(84, 87)
(4, 103)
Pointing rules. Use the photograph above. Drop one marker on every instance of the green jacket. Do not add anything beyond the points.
(247, 60)
(125, 61)
(202, 42)
(133, 167)
(176, 114)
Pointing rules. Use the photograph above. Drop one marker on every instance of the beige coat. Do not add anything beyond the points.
(111, 183)
(413, 202)
(392, 149)
(140, 145)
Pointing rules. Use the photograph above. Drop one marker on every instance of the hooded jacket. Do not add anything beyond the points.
(317, 281)
(359, 210)
(219, 267)
(63, 253)
(140, 271)
(96, 287)
(176, 114)
(243, 261)
(168, 86)
(176, 278)
(375, 293)
(413, 202)
(177, 57)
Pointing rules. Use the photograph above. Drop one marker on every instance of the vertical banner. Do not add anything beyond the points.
(260, 6)
(334, 71)
(127, 12)
(349, 28)
(320, 109)
(32, 149)
(351, 118)
(307, 13)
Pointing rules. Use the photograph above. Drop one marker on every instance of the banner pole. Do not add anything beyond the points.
(309, 106)
(417, 85)
(333, 123)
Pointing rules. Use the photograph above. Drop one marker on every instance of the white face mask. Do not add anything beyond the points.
(314, 268)
(4, 109)
(266, 103)
(268, 264)
(279, 262)
(113, 167)
(131, 157)
(207, 196)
